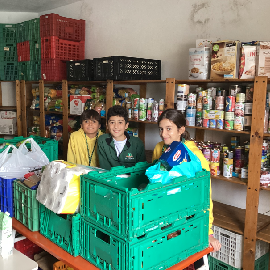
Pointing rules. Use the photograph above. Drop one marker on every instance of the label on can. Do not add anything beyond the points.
(214, 168)
(181, 103)
(249, 93)
(230, 103)
(136, 114)
(215, 155)
(239, 123)
(244, 172)
(191, 103)
(227, 170)
(206, 123)
(219, 103)
(129, 113)
(240, 98)
(207, 153)
(219, 123)
(212, 123)
(229, 116)
(239, 109)
(228, 124)
(207, 103)
(248, 108)
(247, 120)
(190, 117)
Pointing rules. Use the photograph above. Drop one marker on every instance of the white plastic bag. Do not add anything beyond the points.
(21, 161)
(5, 155)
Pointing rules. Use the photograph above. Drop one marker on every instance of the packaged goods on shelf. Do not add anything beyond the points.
(263, 51)
(59, 189)
(77, 103)
(199, 63)
(208, 42)
(225, 60)
(248, 60)
(231, 251)
(8, 126)
(7, 114)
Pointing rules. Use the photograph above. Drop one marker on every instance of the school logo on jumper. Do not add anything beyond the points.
(129, 156)
(177, 155)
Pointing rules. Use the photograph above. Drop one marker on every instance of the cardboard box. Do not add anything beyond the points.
(263, 67)
(175, 154)
(213, 114)
(225, 60)
(7, 114)
(77, 103)
(199, 63)
(8, 126)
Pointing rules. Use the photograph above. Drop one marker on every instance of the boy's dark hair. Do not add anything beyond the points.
(90, 115)
(177, 118)
(117, 110)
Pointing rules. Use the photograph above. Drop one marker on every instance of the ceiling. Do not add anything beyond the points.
(32, 5)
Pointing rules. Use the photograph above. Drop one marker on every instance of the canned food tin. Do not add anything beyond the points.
(239, 123)
(206, 123)
(191, 102)
(249, 93)
(214, 168)
(244, 172)
(136, 114)
(229, 116)
(212, 123)
(227, 170)
(229, 124)
(240, 98)
(230, 104)
(181, 103)
(207, 103)
(136, 103)
(219, 103)
(143, 104)
(215, 155)
(220, 124)
(247, 122)
(228, 154)
(161, 105)
(248, 108)
(239, 109)
(183, 89)
(199, 120)
(206, 152)
(239, 153)
(129, 113)
(190, 117)
(234, 89)
(199, 104)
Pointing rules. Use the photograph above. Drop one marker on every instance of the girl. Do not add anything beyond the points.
(82, 146)
(172, 128)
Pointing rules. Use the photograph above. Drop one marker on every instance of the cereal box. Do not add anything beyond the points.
(248, 60)
(263, 67)
(225, 60)
(199, 63)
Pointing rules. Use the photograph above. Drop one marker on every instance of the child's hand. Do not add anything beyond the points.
(213, 242)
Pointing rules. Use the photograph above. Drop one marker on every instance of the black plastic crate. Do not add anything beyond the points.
(126, 68)
(81, 70)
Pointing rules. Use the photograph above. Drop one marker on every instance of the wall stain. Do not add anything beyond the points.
(85, 14)
(197, 11)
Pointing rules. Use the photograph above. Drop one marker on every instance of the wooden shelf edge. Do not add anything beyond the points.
(234, 180)
(8, 108)
(222, 130)
(194, 82)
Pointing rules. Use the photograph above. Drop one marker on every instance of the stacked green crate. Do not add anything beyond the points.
(30, 31)
(8, 52)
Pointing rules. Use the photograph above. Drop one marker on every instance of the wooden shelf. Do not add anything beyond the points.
(222, 130)
(78, 262)
(8, 108)
(234, 180)
(197, 82)
(143, 122)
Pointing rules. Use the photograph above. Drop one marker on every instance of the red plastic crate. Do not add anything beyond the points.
(23, 51)
(53, 70)
(61, 27)
(55, 48)
(28, 248)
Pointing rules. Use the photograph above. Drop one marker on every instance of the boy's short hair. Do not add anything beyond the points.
(117, 110)
(90, 115)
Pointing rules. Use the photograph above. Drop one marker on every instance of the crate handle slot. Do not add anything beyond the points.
(167, 226)
(173, 235)
(103, 236)
(142, 236)
(187, 218)
(224, 266)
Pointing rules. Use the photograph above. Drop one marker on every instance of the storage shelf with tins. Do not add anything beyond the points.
(16, 108)
(222, 130)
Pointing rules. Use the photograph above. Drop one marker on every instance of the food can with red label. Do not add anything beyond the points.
(219, 123)
(239, 109)
(230, 104)
(238, 123)
(206, 123)
(215, 155)
(214, 168)
(219, 103)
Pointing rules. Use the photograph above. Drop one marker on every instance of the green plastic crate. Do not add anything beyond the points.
(63, 230)
(28, 30)
(118, 206)
(8, 33)
(8, 71)
(8, 52)
(48, 146)
(172, 245)
(35, 50)
(29, 70)
(26, 206)
(260, 264)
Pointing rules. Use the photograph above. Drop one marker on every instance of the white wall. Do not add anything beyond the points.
(16, 17)
(165, 30)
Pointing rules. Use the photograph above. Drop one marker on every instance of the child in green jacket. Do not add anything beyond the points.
(118, 148)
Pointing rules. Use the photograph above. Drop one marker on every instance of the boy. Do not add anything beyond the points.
(118, 148)
(82, 146)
